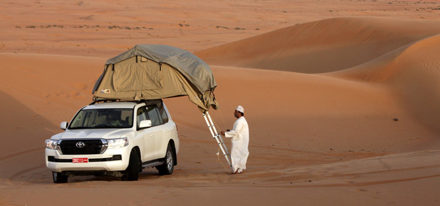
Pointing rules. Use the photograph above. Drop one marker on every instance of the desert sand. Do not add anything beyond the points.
(341, 98)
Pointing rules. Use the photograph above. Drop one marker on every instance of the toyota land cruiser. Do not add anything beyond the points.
(118, 138)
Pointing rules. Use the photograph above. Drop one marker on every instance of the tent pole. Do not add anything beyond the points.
(217, 137)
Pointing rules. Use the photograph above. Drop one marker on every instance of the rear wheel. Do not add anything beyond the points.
(167, 167)
(134, 167)
(59, 177)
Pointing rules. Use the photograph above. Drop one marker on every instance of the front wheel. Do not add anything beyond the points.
(167, 167)
(134, 167)
(59, 177)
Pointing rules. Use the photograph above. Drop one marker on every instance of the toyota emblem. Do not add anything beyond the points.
(80, 144)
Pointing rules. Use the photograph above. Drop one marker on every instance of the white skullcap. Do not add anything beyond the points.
(240, 109)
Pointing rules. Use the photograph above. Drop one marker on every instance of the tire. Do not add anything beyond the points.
(59, 177)
(134, 167)
(167, 167)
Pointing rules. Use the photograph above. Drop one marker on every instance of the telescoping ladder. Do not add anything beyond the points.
(217, 137)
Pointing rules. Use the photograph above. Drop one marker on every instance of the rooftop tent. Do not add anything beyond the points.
(154, 72)
(148, 72)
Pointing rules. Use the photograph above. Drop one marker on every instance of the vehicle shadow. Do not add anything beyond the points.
(23, 134)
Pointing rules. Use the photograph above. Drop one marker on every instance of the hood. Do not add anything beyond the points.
(93, 133)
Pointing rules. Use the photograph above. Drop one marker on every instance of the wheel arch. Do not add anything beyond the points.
(137, 149)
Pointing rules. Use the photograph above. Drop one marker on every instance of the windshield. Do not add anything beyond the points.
(102, 118)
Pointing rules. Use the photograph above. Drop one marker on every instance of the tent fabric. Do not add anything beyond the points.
(148, 72)
(192, 67)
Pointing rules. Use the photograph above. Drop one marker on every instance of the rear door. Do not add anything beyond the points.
(168, 128)
(147, 136)
(157, 140)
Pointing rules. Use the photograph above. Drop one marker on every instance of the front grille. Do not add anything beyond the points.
(69, 147)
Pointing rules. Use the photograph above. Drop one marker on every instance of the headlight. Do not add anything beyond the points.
(52, 144)
(117, 142)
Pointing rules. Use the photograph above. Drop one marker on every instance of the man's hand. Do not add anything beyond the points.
(222, 133)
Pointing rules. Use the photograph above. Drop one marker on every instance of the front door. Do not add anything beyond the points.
(156, 140)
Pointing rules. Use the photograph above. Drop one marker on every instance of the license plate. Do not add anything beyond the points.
(80, 160)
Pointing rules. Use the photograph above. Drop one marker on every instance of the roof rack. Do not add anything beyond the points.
(147, 102)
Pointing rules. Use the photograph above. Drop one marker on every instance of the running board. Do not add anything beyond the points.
(153, 163)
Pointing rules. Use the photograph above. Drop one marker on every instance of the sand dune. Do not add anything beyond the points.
(412, 72)
(417, 80)
(321, 46)
(400, 53)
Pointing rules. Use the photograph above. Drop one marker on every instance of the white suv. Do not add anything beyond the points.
(116, 138)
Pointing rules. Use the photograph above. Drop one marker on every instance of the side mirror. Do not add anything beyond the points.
(63, 125)
(145, 124)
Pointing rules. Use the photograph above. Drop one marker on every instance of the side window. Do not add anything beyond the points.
(155, 118)
(163, 114)
(141, 115)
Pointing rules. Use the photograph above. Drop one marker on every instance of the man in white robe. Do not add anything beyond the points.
(240, 141)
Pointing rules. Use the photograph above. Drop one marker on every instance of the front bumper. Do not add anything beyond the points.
(110, 160)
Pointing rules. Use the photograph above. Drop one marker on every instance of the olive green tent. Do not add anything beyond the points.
(148, 72)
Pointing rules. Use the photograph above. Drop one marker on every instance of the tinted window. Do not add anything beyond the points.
(155, 118)
(163, 114)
